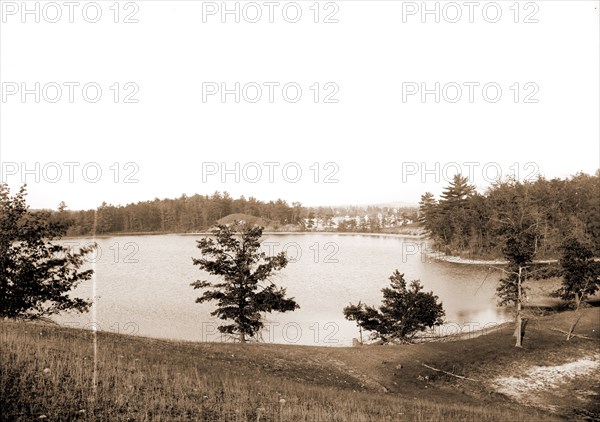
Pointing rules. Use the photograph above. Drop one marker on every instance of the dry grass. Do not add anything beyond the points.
(47, 371)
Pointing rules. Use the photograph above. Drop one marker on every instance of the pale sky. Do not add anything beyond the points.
(372, 143)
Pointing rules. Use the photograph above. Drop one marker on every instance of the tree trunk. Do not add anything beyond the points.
(519, 322)
(577, 316)
(242, 337)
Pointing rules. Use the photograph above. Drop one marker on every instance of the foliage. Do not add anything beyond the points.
(234, 255)
(580, 273)
(519, 237)
(36, 273)
(403, 312)
(183, 214)
(463, 221)
(200, 212)
(508, 288)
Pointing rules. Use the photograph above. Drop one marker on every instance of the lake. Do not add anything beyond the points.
(143, 286)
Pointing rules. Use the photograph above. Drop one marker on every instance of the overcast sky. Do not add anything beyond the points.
(370, 133)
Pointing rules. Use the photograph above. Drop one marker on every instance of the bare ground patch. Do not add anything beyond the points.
(545, 386)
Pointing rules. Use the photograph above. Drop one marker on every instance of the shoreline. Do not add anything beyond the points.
(452, 259)
(426, 252)
(109, 235)
(487, 329)
(443, 333)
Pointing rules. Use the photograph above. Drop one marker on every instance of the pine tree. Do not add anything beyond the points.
(580, 275)
(403, 313)
(459, 190)
(36, 273)
(427, 209)
(234, 255)
(520, 233)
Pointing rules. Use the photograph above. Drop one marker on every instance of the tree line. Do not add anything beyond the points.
(465, 222)
(184, 214)
(199, 213)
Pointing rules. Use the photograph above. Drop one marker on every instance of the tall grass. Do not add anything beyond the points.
(46, 373)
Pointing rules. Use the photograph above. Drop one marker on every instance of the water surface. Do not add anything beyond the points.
(143, 286)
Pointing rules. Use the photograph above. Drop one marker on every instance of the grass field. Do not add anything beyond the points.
(46, 372)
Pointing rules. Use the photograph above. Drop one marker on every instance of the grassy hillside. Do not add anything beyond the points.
(47, 371)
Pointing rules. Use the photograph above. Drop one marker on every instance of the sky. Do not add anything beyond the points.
(345, 102)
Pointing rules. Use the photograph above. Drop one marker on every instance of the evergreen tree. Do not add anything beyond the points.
(234, 255)
(427, 207)
(403, 313)
(458, 190)
(520, 234)
(36, 273)
(580, 275)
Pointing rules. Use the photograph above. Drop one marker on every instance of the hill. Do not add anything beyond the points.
(47, 371)
(258, 221)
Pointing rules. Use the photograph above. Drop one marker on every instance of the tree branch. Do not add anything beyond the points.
(449, 373)
(573, 334)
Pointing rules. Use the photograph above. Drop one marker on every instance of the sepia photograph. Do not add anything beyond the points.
(310, 210)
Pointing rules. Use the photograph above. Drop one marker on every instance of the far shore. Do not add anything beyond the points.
(428, 253)
(270, 232)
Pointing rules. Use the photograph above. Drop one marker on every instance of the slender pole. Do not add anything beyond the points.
(94, 336)
(94, 317)
(519, 325)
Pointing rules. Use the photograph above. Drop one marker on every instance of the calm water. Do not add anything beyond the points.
(143, 286)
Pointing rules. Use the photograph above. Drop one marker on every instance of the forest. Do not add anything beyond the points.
(197, 213)
(466, 223)
(461, 222)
